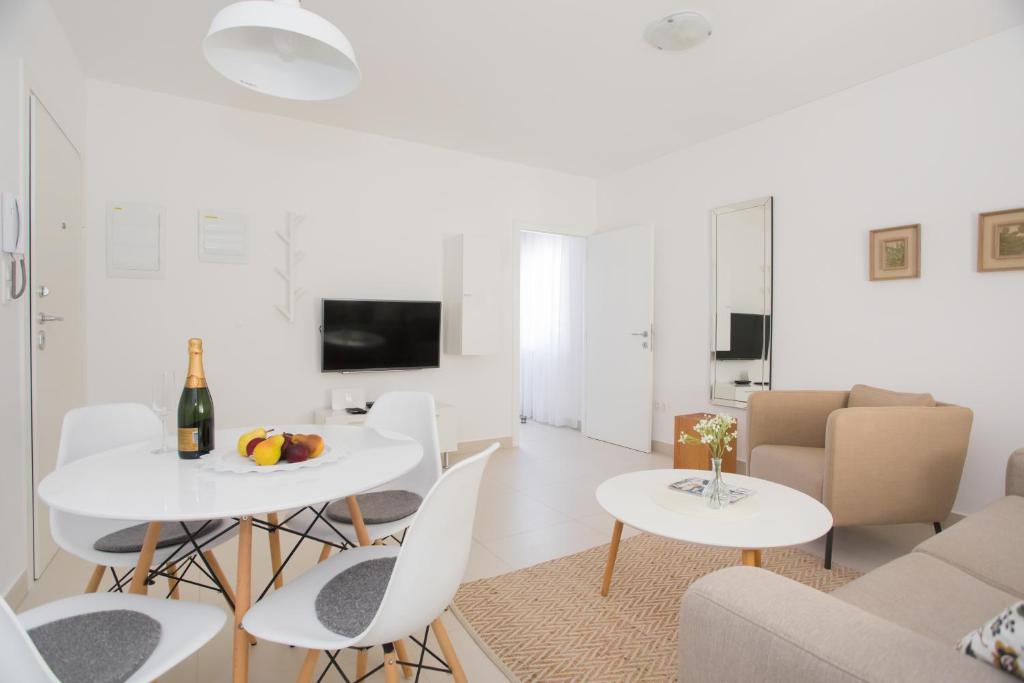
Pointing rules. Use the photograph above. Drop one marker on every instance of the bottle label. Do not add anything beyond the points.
(188, 439)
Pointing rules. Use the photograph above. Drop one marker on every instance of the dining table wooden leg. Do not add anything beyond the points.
(243, 599)
(274, 539)
(751, 557)
(357, 520)
(222, 579)
(140, 578)
(613, 551)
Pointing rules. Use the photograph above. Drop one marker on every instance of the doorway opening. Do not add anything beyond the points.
(552, 284)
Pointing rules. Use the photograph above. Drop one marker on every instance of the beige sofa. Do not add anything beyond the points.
(871, 456)
(900, 622)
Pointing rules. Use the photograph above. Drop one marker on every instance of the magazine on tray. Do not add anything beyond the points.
(695, 487)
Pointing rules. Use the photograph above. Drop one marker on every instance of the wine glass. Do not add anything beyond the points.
(162, 397)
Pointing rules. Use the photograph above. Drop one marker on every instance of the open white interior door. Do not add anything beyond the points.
(619, 372)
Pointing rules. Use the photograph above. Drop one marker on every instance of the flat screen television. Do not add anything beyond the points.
(362, 335)
(749, 337)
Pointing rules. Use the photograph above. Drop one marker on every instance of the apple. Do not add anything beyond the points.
(295, 452)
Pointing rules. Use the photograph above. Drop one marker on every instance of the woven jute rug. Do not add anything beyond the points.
(549, 622)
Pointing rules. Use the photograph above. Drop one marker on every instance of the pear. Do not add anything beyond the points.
(268, 451)
(313, 442)
(245, 439)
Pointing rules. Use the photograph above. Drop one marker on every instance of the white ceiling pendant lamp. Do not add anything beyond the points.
(679, 31)
(278, 48)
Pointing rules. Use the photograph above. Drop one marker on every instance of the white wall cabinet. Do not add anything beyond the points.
(471, 270)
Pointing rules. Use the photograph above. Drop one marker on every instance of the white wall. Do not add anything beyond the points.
(34, 54)
(933, 144)
(376, 211)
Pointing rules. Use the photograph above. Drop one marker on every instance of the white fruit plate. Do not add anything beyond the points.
(230, 461)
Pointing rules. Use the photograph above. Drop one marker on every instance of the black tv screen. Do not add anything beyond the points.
(380, 335)
(749, 337)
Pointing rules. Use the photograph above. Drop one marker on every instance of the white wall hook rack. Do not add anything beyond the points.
(293, 257)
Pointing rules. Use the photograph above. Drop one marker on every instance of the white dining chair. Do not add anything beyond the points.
(389, 509)
(112, 543)
(379, 594)
(102, 637)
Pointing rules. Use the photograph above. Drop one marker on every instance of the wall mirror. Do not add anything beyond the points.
(741, 301)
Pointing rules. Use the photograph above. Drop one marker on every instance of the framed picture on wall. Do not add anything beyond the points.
(895, 252)
(1001, 240)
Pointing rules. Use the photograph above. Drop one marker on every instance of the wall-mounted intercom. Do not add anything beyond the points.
(12, 242)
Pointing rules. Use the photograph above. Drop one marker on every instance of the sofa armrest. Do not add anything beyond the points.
(894, 465)
(790, 418)
(747, 624)
(1015, 473)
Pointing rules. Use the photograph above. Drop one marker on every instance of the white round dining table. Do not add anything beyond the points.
(134, 483)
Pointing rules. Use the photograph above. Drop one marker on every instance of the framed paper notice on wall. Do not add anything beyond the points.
(223, 237)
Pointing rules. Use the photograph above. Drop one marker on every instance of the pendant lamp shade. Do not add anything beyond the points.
(278, 48)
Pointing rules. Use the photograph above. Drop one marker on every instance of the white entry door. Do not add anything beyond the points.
(57, 310)
(619, 375)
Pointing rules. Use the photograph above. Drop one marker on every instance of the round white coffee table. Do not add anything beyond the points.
(775, 516)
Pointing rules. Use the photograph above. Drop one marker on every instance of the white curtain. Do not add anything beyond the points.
(551, 327)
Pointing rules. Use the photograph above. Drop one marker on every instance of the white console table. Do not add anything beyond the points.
(447, 425)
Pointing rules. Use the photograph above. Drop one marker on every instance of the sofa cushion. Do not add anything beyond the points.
(863, 396)
(1000, 641)
(927, 596)
(798, 467)
(986, 545)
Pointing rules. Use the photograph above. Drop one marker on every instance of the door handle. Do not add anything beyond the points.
(643, 334)
(43, 318)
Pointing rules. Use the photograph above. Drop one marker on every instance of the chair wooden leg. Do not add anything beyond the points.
(138, 585)
(752, 558)
(357, 520)
(324, 552)
(94, 580)
(362, 661)
(390, 664)
(403, 656)
(243, 598)
(613, 551)
(441, 633)
(274, 539)
(308, 666)
(172, 582)
(828, 548)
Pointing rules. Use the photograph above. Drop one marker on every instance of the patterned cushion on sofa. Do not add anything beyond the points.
(1000, 642)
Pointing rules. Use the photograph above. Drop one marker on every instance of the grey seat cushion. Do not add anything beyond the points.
(927, 596)
(347, 603)
(798, 467)
(98, 647)
(986, 545)
(378, 507)
(129, 540)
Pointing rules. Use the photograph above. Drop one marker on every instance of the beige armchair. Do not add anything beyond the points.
(871, 456)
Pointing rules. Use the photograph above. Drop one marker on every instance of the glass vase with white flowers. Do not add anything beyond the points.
(718, 433)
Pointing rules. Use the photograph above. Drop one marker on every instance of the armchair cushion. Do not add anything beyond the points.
(986, 544)
(927, 596)
(798, 467)
(863, 396)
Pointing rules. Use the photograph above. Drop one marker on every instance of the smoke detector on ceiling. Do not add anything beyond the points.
(679, 31)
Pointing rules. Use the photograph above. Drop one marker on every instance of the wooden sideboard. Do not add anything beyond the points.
(697, 456)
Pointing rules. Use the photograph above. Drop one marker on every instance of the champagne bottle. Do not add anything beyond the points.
(195, 409)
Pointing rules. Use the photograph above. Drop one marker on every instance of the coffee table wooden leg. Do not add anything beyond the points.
(613, 551)
(274, 539)
(243, 599)
(357, 520)
(751, 558)
(138, 585)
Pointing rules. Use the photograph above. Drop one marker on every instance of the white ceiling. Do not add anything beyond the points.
(562, 84)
